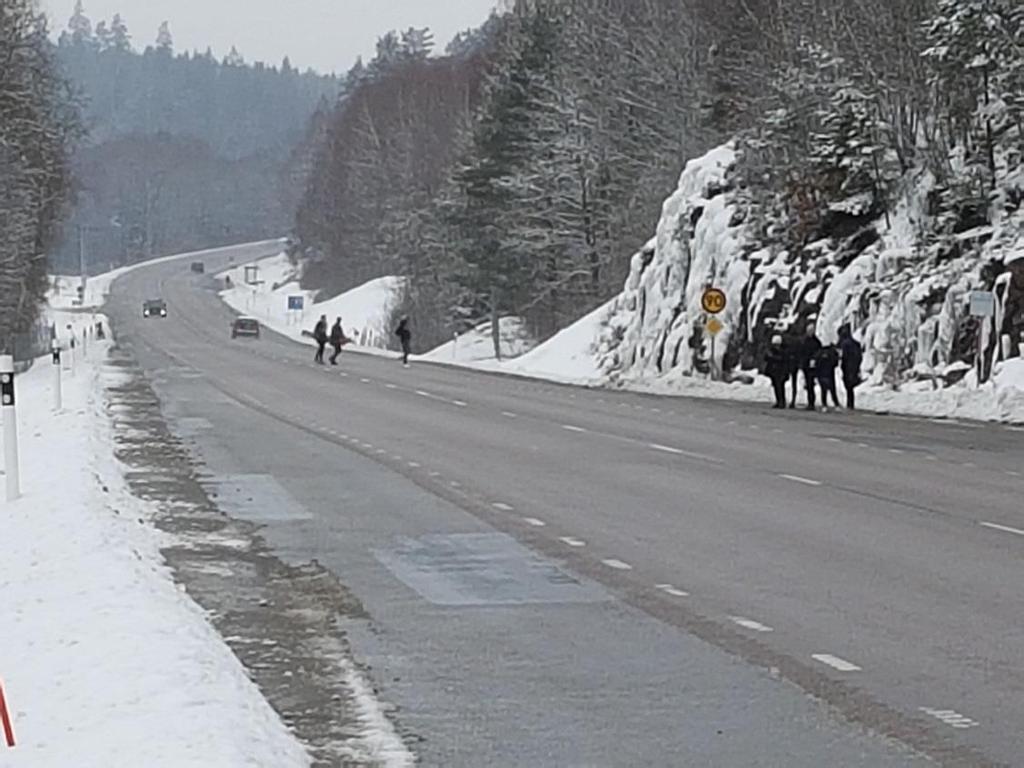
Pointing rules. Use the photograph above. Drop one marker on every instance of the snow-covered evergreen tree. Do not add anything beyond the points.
(164, 40)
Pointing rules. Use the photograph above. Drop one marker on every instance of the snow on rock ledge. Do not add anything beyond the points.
(655, 326)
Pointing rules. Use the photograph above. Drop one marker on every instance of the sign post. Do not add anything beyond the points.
(10, 427)
(983, 307)
(58, 401)
(714, 302)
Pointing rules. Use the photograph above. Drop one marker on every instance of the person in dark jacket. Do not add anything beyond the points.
(338, 339)
(825, 371)
(320, 337)
(791, 349)
(807, 359)
(776, 368)
(852, 357)
(405, 338)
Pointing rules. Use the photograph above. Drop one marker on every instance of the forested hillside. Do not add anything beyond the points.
(888, 131)
(38, 127)
(183, 151)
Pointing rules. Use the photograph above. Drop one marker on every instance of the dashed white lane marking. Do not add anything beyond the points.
(969, 464)
(396, 456)
(343, 375)
(950, 717)
(756, 626)
(755, 427)
(895, 450)
(534, 522)
(366, 381)
(1013, 473)
(381, 451)
(668, 589)
(414, 465)
(1004, 528)
(863, 445)
(570, 541)
(618, 565)
(833, 440)
(803, 480)
(390, 386)
(778, 431)
(456, 484)
(435, 474)
(460, 403)
(932, 458)
(503, 507)
(509, 415)
(835, 662)
(666, 449)
(572, 428)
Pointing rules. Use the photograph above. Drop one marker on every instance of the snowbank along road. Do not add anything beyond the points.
(558, 576)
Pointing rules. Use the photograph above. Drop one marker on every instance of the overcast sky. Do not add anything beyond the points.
(324, 34)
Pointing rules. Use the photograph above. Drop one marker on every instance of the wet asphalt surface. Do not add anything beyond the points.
(536, 575)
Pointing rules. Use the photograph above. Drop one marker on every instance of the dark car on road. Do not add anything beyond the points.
(198, 267)
(154, 308)
(245, 326)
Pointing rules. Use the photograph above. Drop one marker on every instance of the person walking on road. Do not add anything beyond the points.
(338, 339)
(825, 370)
(776, 368)
(320, 337)
(807, 358)
(852, 357)
(405, 338)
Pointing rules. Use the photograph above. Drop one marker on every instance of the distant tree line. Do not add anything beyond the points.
(183, 151)
(518, 172)
(38, 127)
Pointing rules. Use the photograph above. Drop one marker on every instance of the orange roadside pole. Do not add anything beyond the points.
(5, 719)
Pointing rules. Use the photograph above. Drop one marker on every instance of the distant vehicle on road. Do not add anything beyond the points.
(198, 267)
(245, 326)
(154, 308)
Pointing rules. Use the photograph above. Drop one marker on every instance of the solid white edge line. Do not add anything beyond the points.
(618, 565)
(803, 480)
(835, 662)
(572, 428)
(460, 403)
(1003, 528)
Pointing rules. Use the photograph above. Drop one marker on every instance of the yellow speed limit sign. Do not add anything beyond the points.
(713, 301)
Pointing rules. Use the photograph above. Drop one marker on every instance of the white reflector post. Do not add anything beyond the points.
(9, 415)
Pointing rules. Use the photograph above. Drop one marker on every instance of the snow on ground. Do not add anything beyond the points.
(365, 311)
(105, 660)
(477, 344)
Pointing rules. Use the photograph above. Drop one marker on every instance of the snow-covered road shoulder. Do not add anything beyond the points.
(106, 661)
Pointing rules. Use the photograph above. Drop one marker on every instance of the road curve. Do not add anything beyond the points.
(562, 576)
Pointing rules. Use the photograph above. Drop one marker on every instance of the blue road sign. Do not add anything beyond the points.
(296, 302)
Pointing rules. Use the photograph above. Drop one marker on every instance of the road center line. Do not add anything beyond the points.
(618, 565)
(835, 662)
(751, 624)
(534, 522)
(391, 386)
(509, 415)
(666, 449)
(803, 480)
(570, 541)
(460, 403)
(1004, 528)
(503, 507)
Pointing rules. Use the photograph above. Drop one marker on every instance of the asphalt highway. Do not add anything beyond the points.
(558, 576)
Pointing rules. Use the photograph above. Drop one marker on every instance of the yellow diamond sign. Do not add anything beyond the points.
(714, 326)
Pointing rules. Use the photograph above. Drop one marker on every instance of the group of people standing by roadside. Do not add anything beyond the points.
(337, 339)
(785, 362)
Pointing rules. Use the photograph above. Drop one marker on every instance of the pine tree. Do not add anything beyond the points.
(164, 40)
(104, 38)
(120, 40)
(234, 58)
(79, 26)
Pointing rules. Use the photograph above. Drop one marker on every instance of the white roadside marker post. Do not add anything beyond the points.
(10, 427)
(58, 400)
